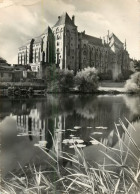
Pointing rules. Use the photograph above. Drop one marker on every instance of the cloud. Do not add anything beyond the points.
(21, 20)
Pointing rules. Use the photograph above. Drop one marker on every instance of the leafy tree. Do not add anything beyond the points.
(137, 65)
(133, 84)
(87, 80)
(59, 80)
(66, 80)
(2, 60)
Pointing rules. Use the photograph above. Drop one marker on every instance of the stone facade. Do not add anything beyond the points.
(38, 51)
(73, 50)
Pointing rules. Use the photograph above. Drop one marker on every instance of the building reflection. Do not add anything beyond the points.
(50, 121)
(53, 119)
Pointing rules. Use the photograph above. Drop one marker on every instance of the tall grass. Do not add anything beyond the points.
(114, 176)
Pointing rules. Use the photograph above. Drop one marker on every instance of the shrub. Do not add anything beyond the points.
(59, 80)
(133, 84)
(51, 73)
(66, 80)
(87, 80)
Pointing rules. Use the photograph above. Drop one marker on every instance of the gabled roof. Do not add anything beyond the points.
(115, 38)
(64, 19)
(92, 39)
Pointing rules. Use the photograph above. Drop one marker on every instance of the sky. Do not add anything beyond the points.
(21, 20)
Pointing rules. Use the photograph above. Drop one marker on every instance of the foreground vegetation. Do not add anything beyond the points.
(114, 175)
(133, 84)
(65, 81)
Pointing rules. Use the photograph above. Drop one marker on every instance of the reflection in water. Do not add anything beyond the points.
(59, 116)
(133, 103)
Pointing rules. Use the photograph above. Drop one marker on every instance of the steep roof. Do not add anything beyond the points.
(26, 43)
(64, 19)
(92, 39)
(48, 29)
(38, 39)
(115, 38)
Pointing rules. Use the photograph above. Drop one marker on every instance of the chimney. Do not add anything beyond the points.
(59, 17)
(73, 19)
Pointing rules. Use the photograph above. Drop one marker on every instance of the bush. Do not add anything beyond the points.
(59, 80)
(66, 80)
(51, 73)
(87, 80)
(133, 84)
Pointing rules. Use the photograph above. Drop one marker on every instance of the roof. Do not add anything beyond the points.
(115, 38)
(92, 39)
(38, 39)
(6, 68)
(47, 30)
(27, 43)
(64, 19)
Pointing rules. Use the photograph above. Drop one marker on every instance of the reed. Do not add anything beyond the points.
(114, 176)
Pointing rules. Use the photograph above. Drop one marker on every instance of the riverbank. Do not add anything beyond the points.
(105, 87)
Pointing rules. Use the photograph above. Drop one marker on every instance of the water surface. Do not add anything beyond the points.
(25, 122)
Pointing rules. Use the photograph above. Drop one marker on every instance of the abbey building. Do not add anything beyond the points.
(69, 49)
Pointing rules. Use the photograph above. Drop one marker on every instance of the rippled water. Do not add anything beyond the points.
(27, 124)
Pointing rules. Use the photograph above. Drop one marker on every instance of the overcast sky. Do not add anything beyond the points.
(22, 19)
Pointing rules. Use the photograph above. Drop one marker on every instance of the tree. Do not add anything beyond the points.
(87, 80)
(133, 84)
(2, 60)
(66, 80)
(137, 65)
(59, 80)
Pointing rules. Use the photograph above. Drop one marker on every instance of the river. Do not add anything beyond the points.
(25, 122)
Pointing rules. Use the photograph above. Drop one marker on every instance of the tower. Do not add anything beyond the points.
(66, 42)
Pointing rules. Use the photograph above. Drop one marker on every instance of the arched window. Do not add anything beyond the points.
(58, 37)
(84, 52)
(57, 30)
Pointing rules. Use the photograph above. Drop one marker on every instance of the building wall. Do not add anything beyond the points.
(69, 49)
(66, 44)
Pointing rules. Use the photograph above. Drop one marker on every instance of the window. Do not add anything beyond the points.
(57, 43)
(58, 37)
(1, 74)
(84, 53)
(57, 30)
